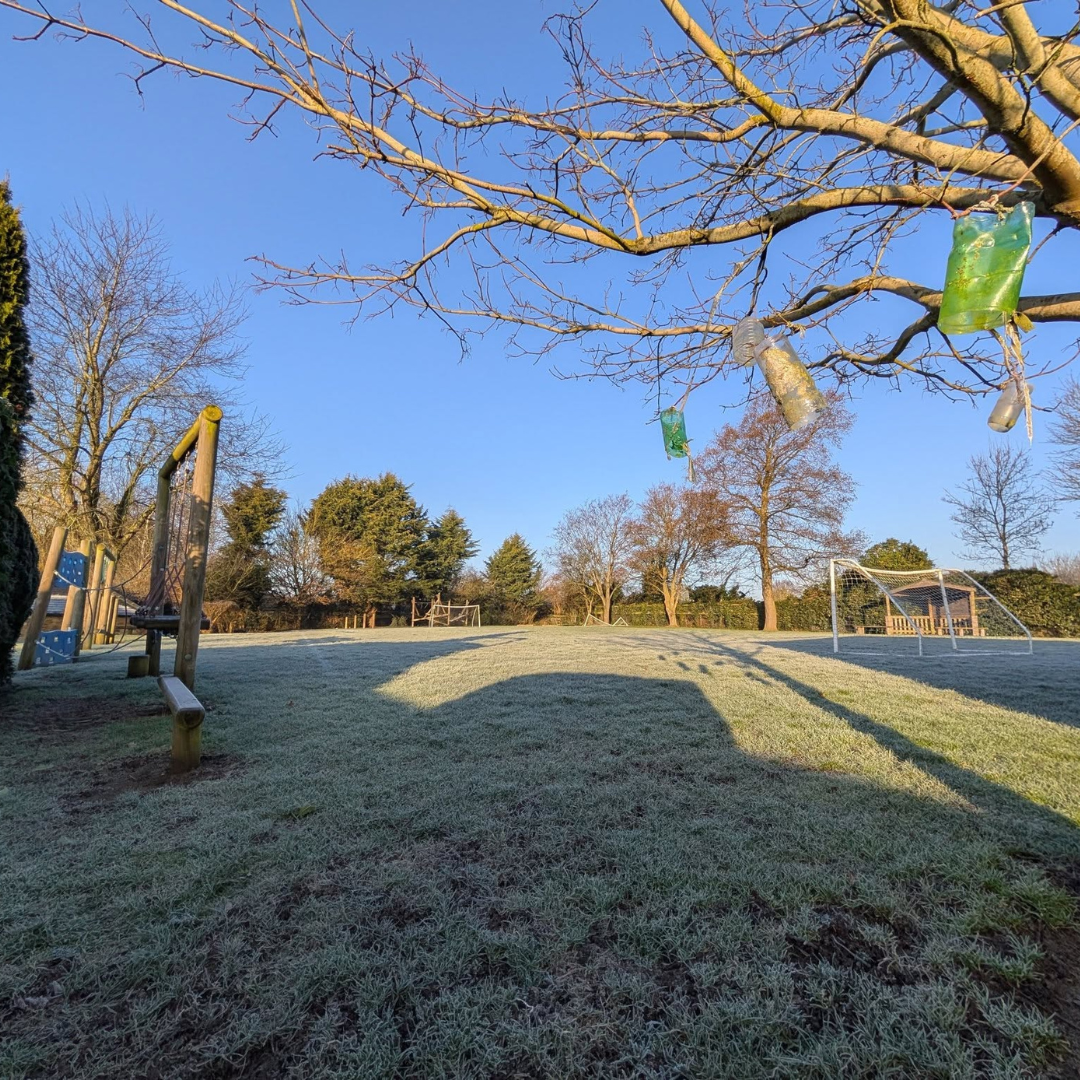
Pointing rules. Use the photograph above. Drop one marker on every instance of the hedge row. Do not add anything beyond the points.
(722, 615)
(1046, 606)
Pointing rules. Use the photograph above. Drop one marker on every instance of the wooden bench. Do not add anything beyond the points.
(188, 714)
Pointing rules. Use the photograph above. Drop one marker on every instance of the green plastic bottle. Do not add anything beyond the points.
(985, 270)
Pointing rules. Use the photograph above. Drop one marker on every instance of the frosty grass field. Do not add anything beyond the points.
(545, 852)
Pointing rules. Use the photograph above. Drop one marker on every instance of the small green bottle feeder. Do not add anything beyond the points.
(985, 270)
(676, 444)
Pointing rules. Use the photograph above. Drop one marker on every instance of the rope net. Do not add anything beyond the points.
(440, 614)
(167, 586)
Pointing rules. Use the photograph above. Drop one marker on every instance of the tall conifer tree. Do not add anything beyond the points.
(18, 554)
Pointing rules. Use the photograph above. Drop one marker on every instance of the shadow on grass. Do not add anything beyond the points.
(555, 874)
(1045, 683)
(977, 789)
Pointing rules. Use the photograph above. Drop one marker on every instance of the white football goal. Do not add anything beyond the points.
(927, 612)
(439, 614)
(592, 620)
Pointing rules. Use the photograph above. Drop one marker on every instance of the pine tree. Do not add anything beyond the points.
(370, 533)
(449, 545)
(18, 554)
(240, 570)
(513, 574)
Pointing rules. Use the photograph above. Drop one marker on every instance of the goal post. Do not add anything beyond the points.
(440, 614)
(592, 620)
(934, 610)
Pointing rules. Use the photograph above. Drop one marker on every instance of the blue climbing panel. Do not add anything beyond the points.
(73, 569)
(55, 647)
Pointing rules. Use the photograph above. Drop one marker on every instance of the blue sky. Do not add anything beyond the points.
(502, 440)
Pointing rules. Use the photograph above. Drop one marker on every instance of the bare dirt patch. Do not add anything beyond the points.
(146, 772)
(59, 718)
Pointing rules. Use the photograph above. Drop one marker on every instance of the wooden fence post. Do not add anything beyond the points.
(41, 604)
(202, 500)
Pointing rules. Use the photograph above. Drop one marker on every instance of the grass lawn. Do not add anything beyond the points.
(548, 852)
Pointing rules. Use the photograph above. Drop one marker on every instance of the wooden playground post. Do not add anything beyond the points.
(75, 608)
(104, 606)
(202, 497)
(188, 714)
(93, 586)
(41, 603)
(114, 610)
(72, 593)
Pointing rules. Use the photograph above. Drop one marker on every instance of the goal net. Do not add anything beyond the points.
(592, 620)
(923, 612)
(440, 614)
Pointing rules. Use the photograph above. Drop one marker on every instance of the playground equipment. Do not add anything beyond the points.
(592, 620)
(91, 607)
(440, 614)
(182, 515)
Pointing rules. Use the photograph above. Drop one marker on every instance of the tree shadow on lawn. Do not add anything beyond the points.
(573, 874)
(1045, 683)
(979, 791)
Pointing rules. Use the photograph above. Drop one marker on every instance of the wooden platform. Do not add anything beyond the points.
(167, 624)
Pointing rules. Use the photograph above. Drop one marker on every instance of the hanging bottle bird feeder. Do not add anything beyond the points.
(674, 427)
(985, 270)
(1009, 406)
(676, 444)
(745, 339)
(792, 386)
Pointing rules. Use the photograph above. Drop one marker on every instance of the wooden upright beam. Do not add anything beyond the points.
(41, 603)
(202, 501)
(93, 597)
(78, 608)
(104, 606)
(74, 591)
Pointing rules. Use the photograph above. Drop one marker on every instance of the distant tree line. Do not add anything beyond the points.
(365, 546)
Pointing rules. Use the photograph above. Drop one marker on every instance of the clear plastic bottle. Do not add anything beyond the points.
(1008, 407)
(747, 335)
(791, 384)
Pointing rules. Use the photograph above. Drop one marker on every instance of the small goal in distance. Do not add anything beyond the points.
(926, 612)
(439, 614)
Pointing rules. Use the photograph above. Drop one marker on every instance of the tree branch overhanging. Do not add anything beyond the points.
(931, 111)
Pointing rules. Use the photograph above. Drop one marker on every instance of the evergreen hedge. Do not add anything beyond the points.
(723, 614)
(18, 553)
(1046, 606)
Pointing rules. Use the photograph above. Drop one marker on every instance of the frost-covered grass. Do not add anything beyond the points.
(546, 852)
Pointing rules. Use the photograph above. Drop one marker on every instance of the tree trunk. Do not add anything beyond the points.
(768, 601)
(671, 604)
(606, 601)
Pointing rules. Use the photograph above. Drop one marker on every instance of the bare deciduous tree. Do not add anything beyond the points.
(785, 495)
(127, 356)
(726, 132)
(679, 531)
(1065, 568)
(297, 578)
(593, 546)
(1001, 509)
(1066, 434)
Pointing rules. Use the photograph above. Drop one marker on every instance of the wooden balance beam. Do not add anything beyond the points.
(188, 714)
